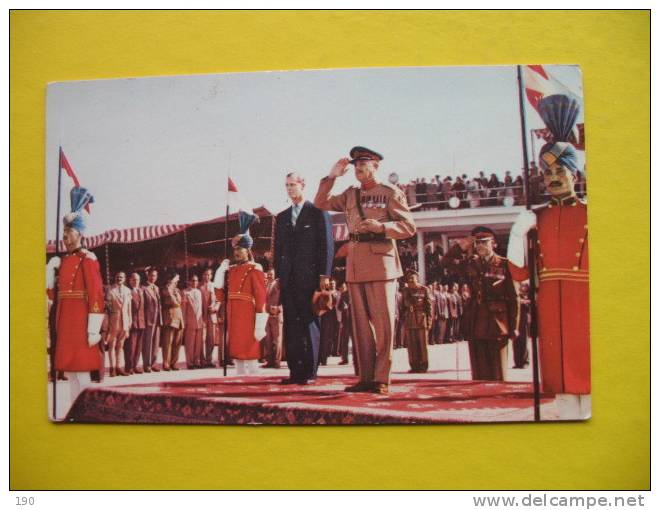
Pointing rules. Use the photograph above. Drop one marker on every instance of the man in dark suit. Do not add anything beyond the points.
(303, 254)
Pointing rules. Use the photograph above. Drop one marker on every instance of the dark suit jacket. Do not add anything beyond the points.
(304, 253)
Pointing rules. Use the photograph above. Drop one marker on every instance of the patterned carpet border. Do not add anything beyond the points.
(200, 402)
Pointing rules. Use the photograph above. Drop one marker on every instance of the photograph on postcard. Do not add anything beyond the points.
(351, 246)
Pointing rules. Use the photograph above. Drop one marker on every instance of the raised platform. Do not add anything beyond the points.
(262, 400)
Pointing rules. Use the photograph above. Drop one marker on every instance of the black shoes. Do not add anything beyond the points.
(360, 387)
(375, 387)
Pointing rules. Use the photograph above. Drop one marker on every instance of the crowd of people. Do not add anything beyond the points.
(481, 191)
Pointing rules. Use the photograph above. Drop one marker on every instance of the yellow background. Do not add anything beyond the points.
(611, 451)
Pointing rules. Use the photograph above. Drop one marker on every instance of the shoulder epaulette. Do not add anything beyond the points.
(391, 186)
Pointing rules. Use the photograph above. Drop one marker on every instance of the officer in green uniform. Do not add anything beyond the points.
(493, 310)
(417, 308)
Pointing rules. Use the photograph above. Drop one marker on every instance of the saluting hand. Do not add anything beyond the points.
(339, 168)
(374, 226)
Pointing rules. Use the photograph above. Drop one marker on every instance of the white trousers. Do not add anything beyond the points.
(573, 407)
(78, 381)
(246, 366)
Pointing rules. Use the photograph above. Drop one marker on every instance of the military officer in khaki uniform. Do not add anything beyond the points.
(417, 309)
(376, 214)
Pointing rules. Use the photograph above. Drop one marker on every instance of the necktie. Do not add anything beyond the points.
(294, 214)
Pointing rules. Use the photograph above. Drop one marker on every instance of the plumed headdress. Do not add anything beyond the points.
(80, 197)
(559, 113)
(243, 239)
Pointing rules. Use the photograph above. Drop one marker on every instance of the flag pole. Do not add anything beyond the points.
(531, 254)
(225, 290)
(53, 337)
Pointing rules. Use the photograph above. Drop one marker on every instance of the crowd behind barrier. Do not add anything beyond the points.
(481, 191)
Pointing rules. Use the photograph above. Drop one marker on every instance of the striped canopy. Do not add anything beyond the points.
(147, 233)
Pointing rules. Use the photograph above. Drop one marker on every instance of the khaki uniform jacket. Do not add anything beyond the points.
(416, 307)
(375, 260)
(119, 305)
(171, 301)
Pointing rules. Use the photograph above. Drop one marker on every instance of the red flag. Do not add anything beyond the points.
(539, 83)
(235, 199)
(64, 164)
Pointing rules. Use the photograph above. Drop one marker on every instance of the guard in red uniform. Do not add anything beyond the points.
(246, 301)
(563, 267)
(80, 302)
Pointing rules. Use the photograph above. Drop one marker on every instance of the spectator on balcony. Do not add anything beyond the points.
(458, 190)
(438, 191)
(474, 192)
(493, 187)
(536, 187)
(482, 180)
(420, 191)
(507, 190)
(432, 193)
(518, 190)
(410, 193)
(446, 192)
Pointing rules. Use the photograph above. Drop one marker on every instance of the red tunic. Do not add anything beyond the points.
(80, 292)
(563, 297)
(247, 295)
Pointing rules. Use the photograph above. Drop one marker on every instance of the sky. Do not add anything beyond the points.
(159, 150)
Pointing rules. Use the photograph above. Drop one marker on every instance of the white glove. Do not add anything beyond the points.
(260, 326)
(516, 250)
(52, 265)
(219, 278)
(93, 339)
(94, 321)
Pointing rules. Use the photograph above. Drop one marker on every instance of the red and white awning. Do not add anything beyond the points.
(124, 236)
(139, 234)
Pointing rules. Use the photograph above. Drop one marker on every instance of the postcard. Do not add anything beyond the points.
(347, 246)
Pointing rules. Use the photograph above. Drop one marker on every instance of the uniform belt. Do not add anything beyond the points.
(242, 296)
(558, 273)
(367, 237)
(72, 294)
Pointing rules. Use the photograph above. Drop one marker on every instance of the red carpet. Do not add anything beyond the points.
(261, 400)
